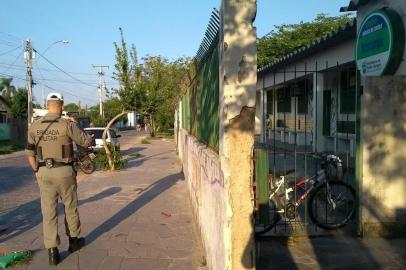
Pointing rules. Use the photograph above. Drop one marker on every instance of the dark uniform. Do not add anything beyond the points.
(51, 139)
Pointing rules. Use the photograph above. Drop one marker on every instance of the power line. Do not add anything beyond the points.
(43, 78)
(9, 51)
(56, 70)
(63, 71)
(15, 61)
(10, 35)
(66, 91)
(47, 86)
(12, 76)
(8, 43)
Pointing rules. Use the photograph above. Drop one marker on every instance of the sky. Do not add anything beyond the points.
(170, 28)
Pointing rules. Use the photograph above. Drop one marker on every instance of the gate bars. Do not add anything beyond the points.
(305, 111)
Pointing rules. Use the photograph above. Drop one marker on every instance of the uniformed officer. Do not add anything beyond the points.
(50, 154)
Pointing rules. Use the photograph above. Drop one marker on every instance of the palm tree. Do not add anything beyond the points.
(6, 89)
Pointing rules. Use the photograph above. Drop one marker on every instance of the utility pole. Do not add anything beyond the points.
(101, 86)
(29, 55)
(44, 103)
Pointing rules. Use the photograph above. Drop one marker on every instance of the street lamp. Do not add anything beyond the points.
(64, 41)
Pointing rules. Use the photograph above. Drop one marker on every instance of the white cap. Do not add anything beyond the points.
(55, 96)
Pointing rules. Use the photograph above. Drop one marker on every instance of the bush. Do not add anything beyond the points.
(103, 163)
(145, 141)
(7, 147)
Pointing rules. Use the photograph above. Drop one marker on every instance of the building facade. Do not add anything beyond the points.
(307, 98)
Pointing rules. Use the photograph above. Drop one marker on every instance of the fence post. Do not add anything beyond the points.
(238, 77)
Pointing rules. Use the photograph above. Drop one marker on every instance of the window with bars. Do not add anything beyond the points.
(347, 91)
(269, 101)
(284, 100)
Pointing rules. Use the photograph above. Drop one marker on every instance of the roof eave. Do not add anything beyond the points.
(340, 35)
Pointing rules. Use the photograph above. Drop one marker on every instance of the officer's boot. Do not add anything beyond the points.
(54, 257)
(76, 243)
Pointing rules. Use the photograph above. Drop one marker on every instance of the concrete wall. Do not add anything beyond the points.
(201, 167)
(383, 144)
(384, 155)
(221, 184)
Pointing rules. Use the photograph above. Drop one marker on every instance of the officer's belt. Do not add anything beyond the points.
(55, 164)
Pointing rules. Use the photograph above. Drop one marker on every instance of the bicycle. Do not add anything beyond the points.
(331, 201)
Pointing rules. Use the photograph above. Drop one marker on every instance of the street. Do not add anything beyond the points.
(137, 218)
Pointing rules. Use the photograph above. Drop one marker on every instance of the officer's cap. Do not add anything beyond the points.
(55, 96)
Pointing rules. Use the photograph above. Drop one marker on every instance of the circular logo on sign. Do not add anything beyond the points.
(377, 52)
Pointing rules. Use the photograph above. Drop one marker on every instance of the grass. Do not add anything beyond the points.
(162, 135)
(145, 141)
(7, 147)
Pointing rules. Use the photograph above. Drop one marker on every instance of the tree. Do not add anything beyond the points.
(19, 103)
(288, 37)
(71, 107)
(152, 88)
(126, 74)
(6, 89)
(160, 83)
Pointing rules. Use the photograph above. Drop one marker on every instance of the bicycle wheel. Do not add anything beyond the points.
(274, 217)
(337, 212)
(88, 166)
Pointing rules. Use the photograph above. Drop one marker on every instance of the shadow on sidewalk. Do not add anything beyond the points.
(132, 150)
(147, 196)
(14, 177)
(28, 215)
(138, 162)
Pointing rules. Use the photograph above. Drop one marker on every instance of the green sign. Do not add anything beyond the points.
(380, 43)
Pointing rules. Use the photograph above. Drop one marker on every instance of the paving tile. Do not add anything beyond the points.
(126, 229)
(145, 237)
(69, 260)
(178, 243)
(111, 263)
(91, 259)
(181, 265)
(143, 264)
(129, 250)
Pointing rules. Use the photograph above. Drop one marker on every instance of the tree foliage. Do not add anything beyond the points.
(160, 87)
(151, 88)
(288, 37)
(19, 102)
(127, 70)
(71, 107)
(6, 89)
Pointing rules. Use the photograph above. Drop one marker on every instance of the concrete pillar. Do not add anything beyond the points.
(383, 143)
(383, 140)
(317, 110)
(238, 76)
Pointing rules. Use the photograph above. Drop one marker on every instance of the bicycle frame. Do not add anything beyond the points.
(319, 177)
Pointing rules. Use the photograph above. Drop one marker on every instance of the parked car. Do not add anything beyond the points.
(112, 138)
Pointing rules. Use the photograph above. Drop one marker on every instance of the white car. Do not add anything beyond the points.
(112, 138)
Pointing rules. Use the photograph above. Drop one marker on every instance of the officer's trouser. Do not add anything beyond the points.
(57, 183)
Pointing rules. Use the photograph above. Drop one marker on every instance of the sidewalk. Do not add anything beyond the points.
(138, 218)
(338, 252)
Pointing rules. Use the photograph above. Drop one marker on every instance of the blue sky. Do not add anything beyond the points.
(172, 28)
